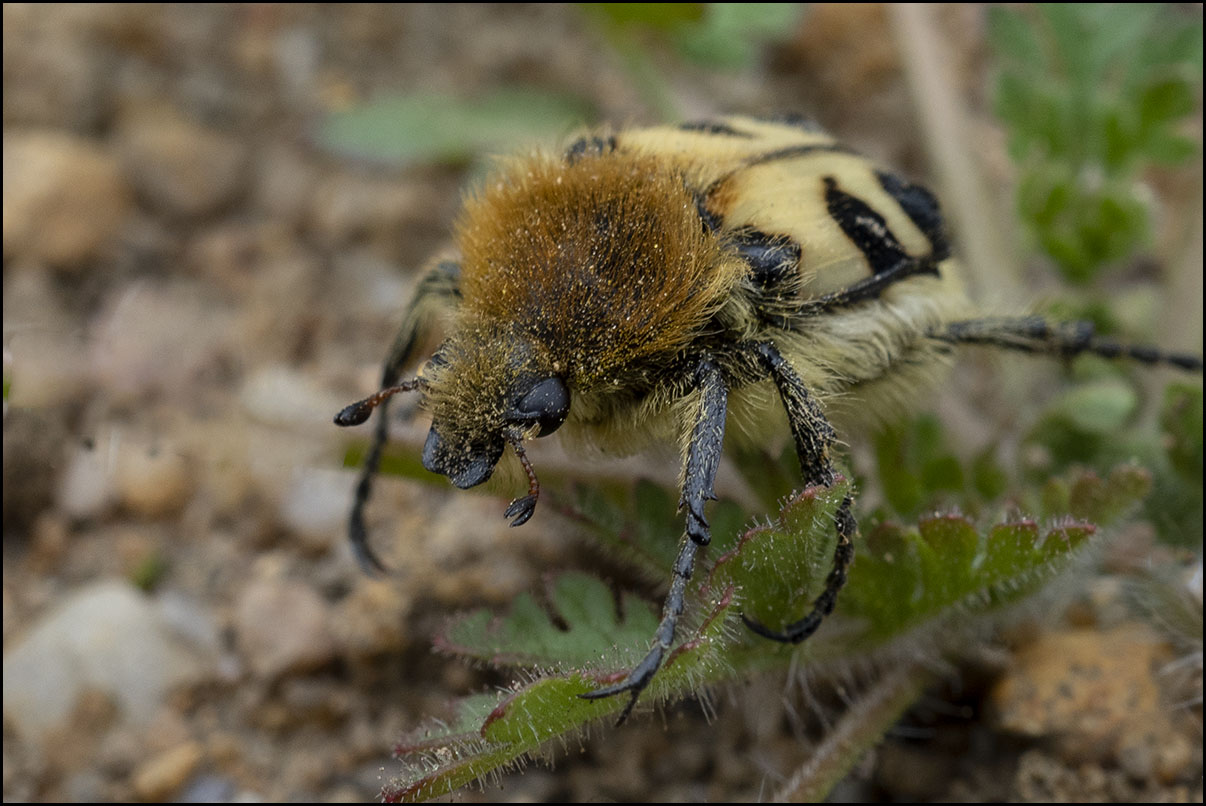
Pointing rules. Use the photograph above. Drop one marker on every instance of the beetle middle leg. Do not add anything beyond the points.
(703, 457)
(813, 438)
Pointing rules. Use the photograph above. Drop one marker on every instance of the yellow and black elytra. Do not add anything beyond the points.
(659, 284)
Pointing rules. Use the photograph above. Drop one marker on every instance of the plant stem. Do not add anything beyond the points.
(859, 729)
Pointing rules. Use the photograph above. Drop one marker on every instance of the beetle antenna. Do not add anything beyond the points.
(359, 411)
(521, 509)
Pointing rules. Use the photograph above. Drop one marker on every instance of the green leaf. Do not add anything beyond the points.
(1013, 37)
(730, 34)
(1164, 100)
(916, 468)
(664, 16)
(1092, 94)
(1169, 149)
(528, 635)
(431, 127)
(1101, 407)
(776, 569)
(1181, 422)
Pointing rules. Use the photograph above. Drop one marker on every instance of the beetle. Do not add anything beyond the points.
(669, 284)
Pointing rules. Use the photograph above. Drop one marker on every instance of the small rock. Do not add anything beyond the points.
(373, 618)
(349, 206)
(316, 505)
(62, 74)
(86, 486)
(155, 338)
(282, 626)
(180, 168)
(1087, 688)
(152, 480)
(108, 639)
(279, 395)
(1174, 757)
(160, 776)
(285, 182)
(43, 345)
(64, 198)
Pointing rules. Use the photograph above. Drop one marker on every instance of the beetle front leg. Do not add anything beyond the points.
(438, 291)
(703, 457)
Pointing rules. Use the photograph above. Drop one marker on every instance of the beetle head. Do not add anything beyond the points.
(484, 394)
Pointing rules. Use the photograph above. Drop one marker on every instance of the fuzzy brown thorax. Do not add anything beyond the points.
(598, 264)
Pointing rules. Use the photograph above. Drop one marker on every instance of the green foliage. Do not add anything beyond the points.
(1181, 424)
(1092, 95)
(438, 128)
(719, 36)
(915, 465)
(529, 635)
(1096, 424)
(935, 576)
(149, 571)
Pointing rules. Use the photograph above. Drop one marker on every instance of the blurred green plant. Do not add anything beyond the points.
(434, 127)
(1094, 94)
(442, 128)
(718, 36)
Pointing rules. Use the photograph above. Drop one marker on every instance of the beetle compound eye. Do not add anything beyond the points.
(547, 403)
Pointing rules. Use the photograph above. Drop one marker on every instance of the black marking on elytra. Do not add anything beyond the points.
(773, 259)
(797, 120)
(865, 227)
(793, 152)
(713, 127)
(922, 209)
(589, 147)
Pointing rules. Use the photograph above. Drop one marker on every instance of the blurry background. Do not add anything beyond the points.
(213, 216)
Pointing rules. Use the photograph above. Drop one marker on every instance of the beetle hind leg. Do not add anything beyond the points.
(1035, 334)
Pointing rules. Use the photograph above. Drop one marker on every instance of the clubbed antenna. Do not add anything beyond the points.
(521, 509)
(359, 411)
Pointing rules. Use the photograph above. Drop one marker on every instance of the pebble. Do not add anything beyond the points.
(65, 199)
(178, 167)
(43, 350)
(61, 69)
(107, 639)
(152, 480)
(315, 505)
(348, 206)
(85, 489)
(280, 395)
(373, 618)
(1091, 689)
(285, 182)
(282, 627)
(162, 775)
(157, 338)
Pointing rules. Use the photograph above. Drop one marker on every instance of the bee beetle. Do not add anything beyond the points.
(661, 284)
